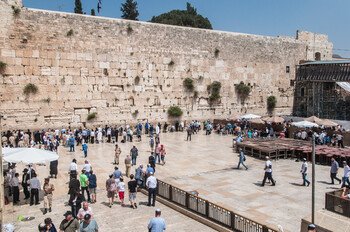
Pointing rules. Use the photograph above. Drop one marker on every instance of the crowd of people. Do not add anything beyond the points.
(82, 187)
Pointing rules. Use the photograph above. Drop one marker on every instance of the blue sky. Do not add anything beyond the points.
(264, 17)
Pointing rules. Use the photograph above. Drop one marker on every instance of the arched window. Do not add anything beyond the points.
(317, 56)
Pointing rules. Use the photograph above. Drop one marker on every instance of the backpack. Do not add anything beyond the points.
(112, 187)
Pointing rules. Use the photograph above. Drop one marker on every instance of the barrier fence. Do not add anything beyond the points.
(209, 210)
(336, 204)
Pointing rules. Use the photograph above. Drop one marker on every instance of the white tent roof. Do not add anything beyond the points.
(305, 124)
(249, 116)
(28, 155)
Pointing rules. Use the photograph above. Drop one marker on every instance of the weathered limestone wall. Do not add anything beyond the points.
(98, 67)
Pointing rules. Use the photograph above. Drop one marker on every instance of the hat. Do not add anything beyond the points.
(304, 159)
(311, 227)
(158, 210)
(87, 216)
(25, 170)
(67, 213)
(151, 173)
(47, 178)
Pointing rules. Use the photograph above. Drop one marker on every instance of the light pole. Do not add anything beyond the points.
(313, 180)
(2, 195)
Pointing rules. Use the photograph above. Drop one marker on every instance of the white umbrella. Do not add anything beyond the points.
(249, 116)
(28, 155)
(305, 124)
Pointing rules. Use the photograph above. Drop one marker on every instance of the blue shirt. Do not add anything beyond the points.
(92, 181)
(157, 224)
(117, 174)
(85, 147)
(334, 167)
(149, 169)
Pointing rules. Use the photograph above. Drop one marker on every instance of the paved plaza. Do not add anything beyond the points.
(206, 164)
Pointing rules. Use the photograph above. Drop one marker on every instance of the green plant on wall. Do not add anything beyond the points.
(195, 94)
(91, 116)
(70, 32)
(188, 84)
(16, 10)
(271, 103)
(243, 91)
(30, 89)
(214, 92)
(137, 80)
(2, 67)
(174, 111)
(135, 113)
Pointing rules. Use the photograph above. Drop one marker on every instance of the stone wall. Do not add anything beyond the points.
(128, 71)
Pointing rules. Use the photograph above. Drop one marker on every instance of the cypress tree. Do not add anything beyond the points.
(93, 12)
(129, 10)
(78, 7)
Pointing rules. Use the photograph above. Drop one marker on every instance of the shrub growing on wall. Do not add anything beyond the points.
(174, 111)
(16, 10)
(271, 103)
(91, 116)
(188, 84)
(30, 89)
(243, 90)
(2, 67)
(214, 91)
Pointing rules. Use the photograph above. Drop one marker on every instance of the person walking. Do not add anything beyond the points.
(132, 186)
(268, 172)
(34, 189)
(121, 190)
(241, 159)
(157, 224)
(139, 175)
(14, 183)
(117, 153)
(84, 182)
(48, 190)
(88, 224)
(73, 169)
(151, 185)
(25, 178)
(71, 142)
(134, 153)
(54, 169)
(74, 186)
(75, 202)
(157, 152)
(69, 223)
(189, 133)
(111, 188)
(162, 153)
(346, 175)
(127, 162)
(92, 186)
(84, 147)
(334, 170)
(304, 169)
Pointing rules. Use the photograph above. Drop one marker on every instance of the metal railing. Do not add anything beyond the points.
(337, 204)
(209, 210)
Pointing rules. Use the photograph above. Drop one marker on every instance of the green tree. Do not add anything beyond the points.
(187, 18)
(129, 10)
(78, 7)
(93, 12)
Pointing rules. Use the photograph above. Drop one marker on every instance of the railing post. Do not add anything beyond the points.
(233, 221)
(187, 202)
(265, 229)
(207, 208)
(170, 193)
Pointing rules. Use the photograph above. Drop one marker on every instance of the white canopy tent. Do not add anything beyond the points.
(28, 155)
(249, 116)
(305, 124)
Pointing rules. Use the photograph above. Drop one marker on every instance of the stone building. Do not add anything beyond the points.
(127, 71)
(323, 90)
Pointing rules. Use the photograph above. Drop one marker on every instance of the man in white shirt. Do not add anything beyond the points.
(346, 174)
(151, 185)
(73, 167)
(268, 172)
(87, 167)
(85, 210)
(34, 189)
(303, 171)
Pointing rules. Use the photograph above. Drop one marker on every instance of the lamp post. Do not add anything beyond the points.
(313, 181)
(2, 195)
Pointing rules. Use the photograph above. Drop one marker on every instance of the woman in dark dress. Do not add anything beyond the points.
(53, 168)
